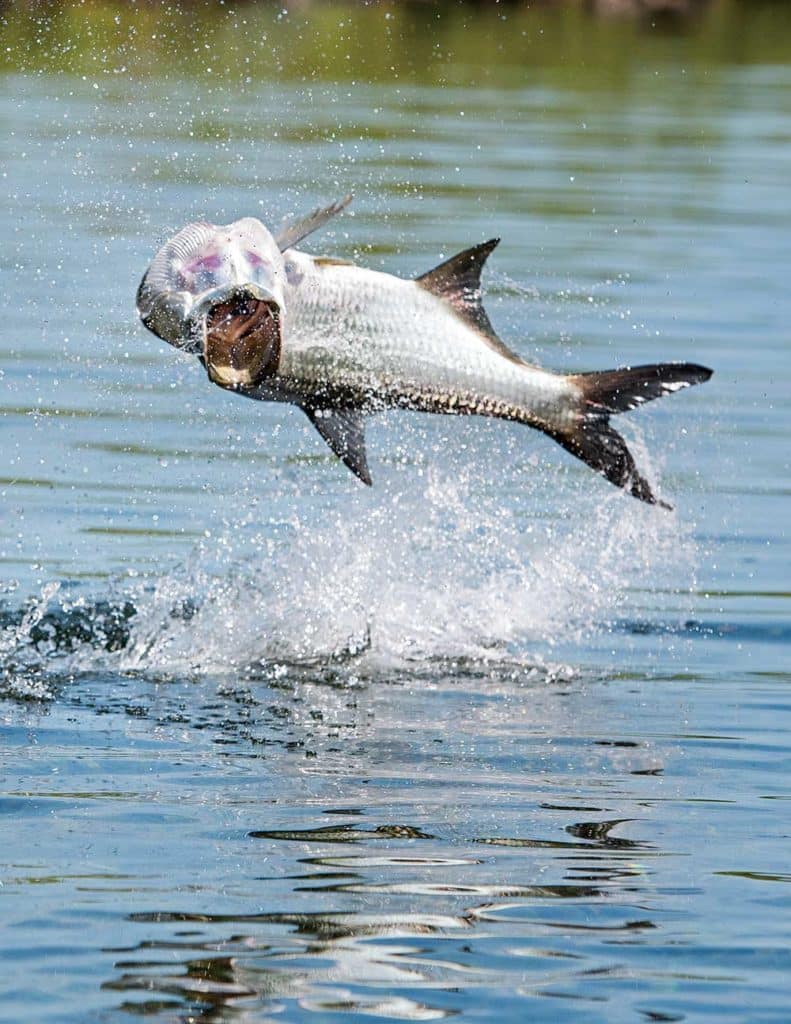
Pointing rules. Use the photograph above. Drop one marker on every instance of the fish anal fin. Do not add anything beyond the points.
(296, 230)
(344, 431)
(595, 442)
(457, 281)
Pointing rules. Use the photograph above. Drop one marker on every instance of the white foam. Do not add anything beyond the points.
(413, 578)
(452, 569)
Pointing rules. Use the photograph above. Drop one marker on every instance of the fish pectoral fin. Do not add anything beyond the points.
(344, 431)
(294, 232)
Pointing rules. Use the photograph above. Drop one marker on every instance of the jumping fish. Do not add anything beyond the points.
(340, 341)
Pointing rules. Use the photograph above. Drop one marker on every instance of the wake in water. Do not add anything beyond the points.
(401, 581)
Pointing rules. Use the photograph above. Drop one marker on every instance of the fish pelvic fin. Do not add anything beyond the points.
(294, 231)
(590, 436)
(457, 281)
(344, 431)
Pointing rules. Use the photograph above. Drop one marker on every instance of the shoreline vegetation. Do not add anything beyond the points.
(639, 8)
(590, 43)
(606, 7)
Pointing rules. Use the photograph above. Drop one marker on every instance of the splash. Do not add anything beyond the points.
(20, 665)
(406, 580)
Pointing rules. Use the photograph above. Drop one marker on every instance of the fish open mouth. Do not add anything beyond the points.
(242, 344)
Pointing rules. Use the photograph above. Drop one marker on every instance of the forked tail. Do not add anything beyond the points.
(591, 438)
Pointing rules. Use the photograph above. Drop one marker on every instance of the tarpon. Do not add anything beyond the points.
(341, 341)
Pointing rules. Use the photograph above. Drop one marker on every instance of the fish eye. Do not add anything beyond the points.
(293, 273)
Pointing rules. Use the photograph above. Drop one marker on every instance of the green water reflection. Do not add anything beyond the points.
(442, 45)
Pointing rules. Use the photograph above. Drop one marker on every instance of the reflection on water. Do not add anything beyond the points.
(399, 848)
(490, 740)
(428, 920)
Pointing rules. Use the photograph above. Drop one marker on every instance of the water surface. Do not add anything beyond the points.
(490, 740)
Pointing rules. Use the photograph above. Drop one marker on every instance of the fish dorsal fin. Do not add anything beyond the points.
(294, 232)
(344, 431)
(458, 282)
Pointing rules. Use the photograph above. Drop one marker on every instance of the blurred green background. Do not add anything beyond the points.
(465, 44)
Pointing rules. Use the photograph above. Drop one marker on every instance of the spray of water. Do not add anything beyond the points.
(412, 578)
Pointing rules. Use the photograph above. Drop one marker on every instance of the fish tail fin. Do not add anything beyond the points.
(590, 437)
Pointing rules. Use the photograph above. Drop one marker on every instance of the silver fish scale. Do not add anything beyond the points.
(377, 335)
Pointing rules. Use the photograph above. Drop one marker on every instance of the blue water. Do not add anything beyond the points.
(490, 739)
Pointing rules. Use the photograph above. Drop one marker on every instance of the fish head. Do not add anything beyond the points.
(218, 291)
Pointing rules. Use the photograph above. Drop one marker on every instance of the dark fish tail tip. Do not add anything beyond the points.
(592, 438)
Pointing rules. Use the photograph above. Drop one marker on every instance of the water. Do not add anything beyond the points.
(492, 739)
